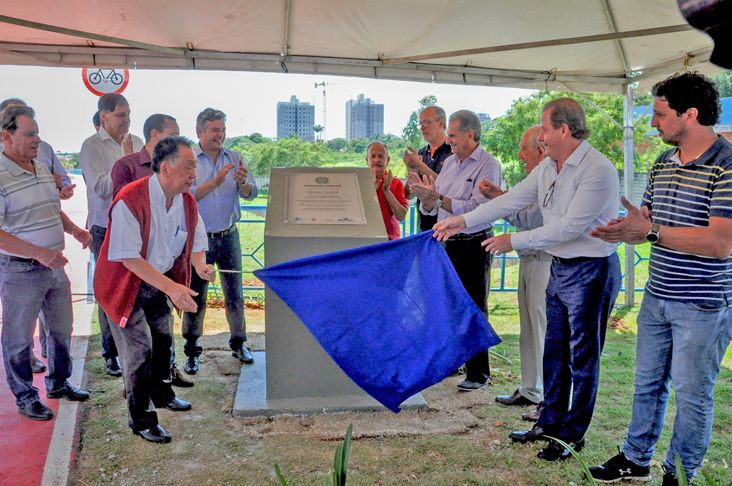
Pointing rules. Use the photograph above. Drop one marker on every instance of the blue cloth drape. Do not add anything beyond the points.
(394, 316)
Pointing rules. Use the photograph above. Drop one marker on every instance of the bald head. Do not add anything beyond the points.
(531, 151)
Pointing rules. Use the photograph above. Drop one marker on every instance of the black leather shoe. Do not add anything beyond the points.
(556, 452)
(515, 399)
(69, 392)
(176, 405)
(191, 367)
(36, 411)
(154, 434)
(468, 386)
(37, 366)
(177, 378)
(112, 366)
(523, 436)
(244, 355)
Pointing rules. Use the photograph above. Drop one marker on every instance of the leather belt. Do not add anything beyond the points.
(569, 261)
(470, 236)
(221, 234)
(12, 258)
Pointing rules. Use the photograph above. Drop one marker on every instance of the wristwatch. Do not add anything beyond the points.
(438, 202)
(655, 234)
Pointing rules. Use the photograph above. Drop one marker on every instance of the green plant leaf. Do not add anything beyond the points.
(680, 472)
(574, 453)
(280, 476)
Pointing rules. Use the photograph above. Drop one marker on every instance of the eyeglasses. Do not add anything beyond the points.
(549, 194)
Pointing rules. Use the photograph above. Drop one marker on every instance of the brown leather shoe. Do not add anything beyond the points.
(516, 399)
(177, 378)
(533, 415)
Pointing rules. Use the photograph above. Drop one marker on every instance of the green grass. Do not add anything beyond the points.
(212, 447)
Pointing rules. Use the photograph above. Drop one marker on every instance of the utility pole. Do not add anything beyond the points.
(324, 85)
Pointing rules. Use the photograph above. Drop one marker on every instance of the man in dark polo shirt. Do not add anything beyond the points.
(429, 160)
(685, 320)
(139, 164)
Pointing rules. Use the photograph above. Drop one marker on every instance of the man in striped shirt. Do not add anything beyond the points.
(32, 276)
(685, 321)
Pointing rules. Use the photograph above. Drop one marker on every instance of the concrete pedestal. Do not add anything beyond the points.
(298, 376)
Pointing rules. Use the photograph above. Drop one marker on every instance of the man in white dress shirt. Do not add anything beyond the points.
(577, 189)
(96, 159)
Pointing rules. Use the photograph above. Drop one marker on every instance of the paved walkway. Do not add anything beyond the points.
(41, 452)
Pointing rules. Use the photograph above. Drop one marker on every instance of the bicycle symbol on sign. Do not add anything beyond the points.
(113, 76)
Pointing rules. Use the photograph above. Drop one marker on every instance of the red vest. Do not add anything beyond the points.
(115, 287)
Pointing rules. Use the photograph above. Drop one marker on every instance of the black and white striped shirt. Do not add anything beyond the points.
(687, 196)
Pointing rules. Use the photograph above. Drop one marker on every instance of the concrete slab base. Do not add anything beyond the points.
(251, 397)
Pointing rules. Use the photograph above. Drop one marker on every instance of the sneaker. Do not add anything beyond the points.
(620, 468)
(467, 385)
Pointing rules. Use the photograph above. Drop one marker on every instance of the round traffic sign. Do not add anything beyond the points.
(102, 81)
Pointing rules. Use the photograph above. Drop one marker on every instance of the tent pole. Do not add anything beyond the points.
(628, 175)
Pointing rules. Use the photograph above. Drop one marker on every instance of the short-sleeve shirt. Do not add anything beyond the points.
(390, 221)
(687, 196)
(30, 208)
(168, 231)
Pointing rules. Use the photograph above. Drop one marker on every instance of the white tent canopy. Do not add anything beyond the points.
(580, 45)
(576, 45)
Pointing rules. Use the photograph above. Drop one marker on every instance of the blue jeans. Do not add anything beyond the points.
(225, 253)
(579, 298)
(26, 288)
(682, 343)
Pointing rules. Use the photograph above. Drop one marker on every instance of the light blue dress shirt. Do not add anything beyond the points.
(220, 208)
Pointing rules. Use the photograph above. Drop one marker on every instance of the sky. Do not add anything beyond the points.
(64, 107)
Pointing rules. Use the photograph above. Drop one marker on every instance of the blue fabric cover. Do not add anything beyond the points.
(394, 315)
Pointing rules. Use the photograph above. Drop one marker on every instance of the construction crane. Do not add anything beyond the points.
(324, 85)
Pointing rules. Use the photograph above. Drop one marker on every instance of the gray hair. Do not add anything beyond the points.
(9, 116)
(207, 115)
(377, 142)
(566, 111)
(468, 121)
(439, 112)
(12, 101)
(110, 101)
(167, 150)
(533, 139)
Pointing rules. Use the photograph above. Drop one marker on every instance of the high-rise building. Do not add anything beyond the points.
(364, 118)
(484, 117)
(295, 118)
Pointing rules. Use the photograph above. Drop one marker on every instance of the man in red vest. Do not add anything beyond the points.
(154, 237)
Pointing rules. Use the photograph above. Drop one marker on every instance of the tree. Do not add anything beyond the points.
(411, 131)
(337, 144)
(723, 81)
(318, 129)
(287, 152)
(504, 133)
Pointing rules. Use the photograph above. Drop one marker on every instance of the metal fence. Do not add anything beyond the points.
(254, 254)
